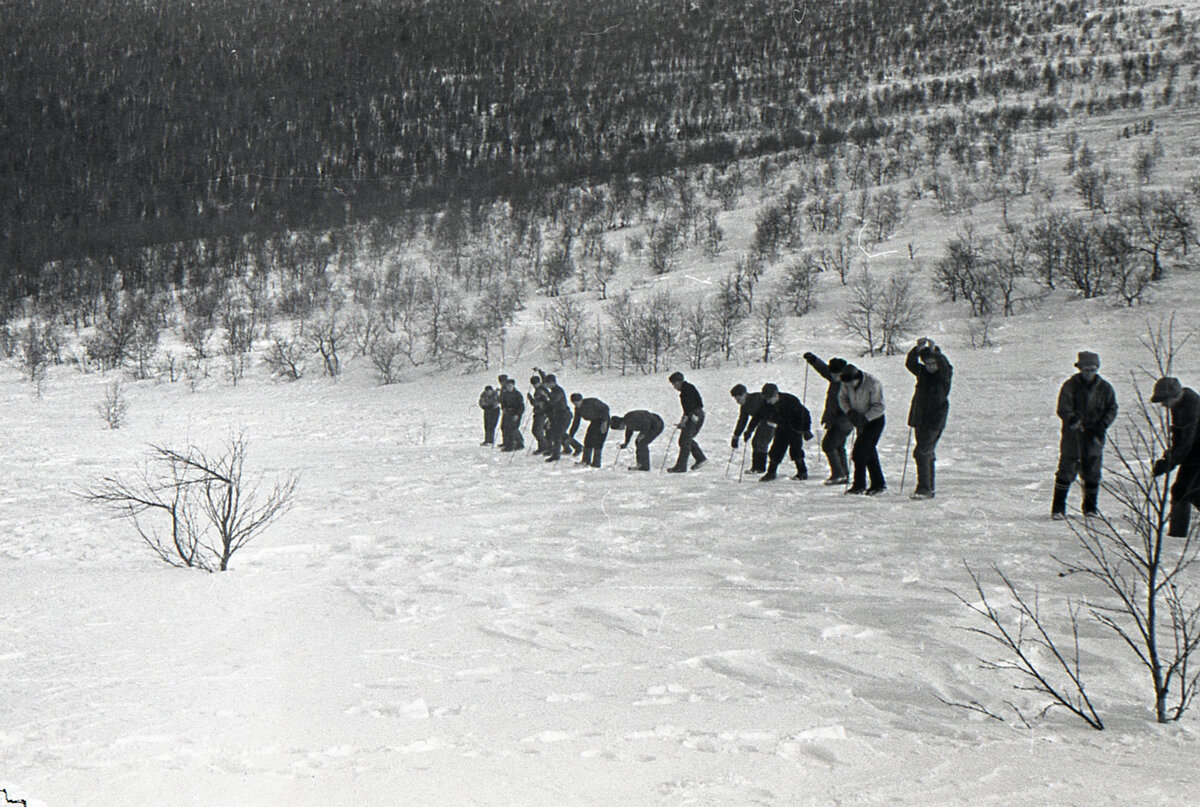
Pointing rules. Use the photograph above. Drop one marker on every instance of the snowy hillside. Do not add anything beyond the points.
(438, 623)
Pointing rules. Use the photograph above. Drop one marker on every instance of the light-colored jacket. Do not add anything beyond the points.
(864, 396)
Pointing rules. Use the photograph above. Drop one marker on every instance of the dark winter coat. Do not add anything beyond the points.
(512, 402)
(641, 421)
(787, 413)
(591, 410)
(489, 399)
(557, 407)
(537, 399)
(1091, 407)
(748, 414)
(690, 400)
(1185, 421)
(832, 414)
(931, 398)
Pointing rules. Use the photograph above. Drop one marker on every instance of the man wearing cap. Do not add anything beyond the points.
(1087, 406)
(861, 398)
(646, 425)
(512, 407)
(793, 425)
(558, 417)
(930, 405)
(760, 434)
(838, 427)
(537, 402)
(596, 413)
(689, 425)
(1183, 405)
(489, 402)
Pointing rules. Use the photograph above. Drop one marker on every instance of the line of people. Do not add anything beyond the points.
(776, 424)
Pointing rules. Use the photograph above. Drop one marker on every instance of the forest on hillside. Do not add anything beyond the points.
(133, 123)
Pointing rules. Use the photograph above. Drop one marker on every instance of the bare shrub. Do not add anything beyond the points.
(192, 509)
(114, 408)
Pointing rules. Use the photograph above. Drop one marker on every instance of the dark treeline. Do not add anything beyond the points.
(128, 123)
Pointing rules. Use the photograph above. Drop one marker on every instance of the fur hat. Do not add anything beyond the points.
(675, 377)
(1088, 359)
(1166, 389)
(926, 354)
(837, 365)
(738, 389)
(769, 390)
(850, 373)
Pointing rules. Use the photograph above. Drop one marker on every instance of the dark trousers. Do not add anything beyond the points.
(556, 434)
(1185, 492)
(760, 445)
(865, 454)
(927, 437)
(687, 441)
(791, 442)
(510, 431)
(834, 446)
(490, 418)
(1079, 456)
(642, 444)
(538, 427)
(593, 442)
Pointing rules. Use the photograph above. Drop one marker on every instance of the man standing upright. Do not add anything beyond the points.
(595, 412)
(861, 398)
(838, 427)
(537, 402)
(930, 405)
(489, 402)
(647, 425)
(1183, 453)
(558, 417)
(1087, 406)
(689, 426)
(793, 425)
(512, 406)
(760, 434)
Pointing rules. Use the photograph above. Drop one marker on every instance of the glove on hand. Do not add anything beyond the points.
(734, 442)
(1161, 467)
(808, 435)
(809, 356)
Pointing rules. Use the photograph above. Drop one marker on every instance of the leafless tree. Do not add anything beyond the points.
(193, 509)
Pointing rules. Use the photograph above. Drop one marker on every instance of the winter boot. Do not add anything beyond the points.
(596, 457)
(758, 462)
(1058, 507)
(768, 476)
(1090, 493)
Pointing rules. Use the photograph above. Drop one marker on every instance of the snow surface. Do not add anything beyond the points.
(437, 623)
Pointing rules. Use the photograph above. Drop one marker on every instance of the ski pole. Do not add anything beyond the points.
(666, 452)
(742, 465)
(904, 473)
(617, 457)
(804, 394)
(730, 462)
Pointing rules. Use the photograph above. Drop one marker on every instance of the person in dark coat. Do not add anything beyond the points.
(537, 402)
(759, 435)
(837, 425)
(689, 425)
(793, 425)
(646, 425)
(558, 417)
(489, 402)
(930, 405)
(861, 398)
(1087, 406)
(1183, 405)
(512, 407)
(596, 413)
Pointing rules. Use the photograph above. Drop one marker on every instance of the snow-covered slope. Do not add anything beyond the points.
(437, 623)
